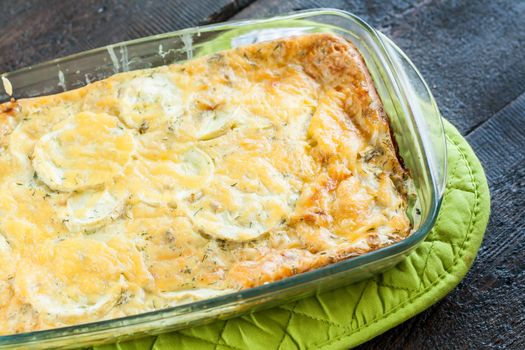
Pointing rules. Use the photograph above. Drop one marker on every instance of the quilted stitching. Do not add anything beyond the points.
(285, 329)
(351, 315)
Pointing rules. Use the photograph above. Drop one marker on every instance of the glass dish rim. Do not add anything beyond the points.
(316, 274)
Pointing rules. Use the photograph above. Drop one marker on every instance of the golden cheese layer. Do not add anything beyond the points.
(168, 185)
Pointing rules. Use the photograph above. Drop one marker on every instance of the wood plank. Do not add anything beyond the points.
(36, 31)
(500, 142)
(470, 52)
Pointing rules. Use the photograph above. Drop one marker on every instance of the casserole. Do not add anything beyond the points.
(162, 186)
(415, 135)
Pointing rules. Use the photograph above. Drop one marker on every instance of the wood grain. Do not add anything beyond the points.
(35, 31)
(472, 53)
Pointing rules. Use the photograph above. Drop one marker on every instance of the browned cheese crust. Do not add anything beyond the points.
(163, 186)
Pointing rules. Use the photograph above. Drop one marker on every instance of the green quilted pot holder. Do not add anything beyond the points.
(349, 316)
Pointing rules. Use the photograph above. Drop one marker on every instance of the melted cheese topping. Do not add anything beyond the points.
(165, 186)
(149, 99)
(84, 151)
(71, 279)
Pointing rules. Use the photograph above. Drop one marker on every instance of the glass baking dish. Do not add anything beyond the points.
(414, 118)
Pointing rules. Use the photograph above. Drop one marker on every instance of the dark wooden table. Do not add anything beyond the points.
(472, 54)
